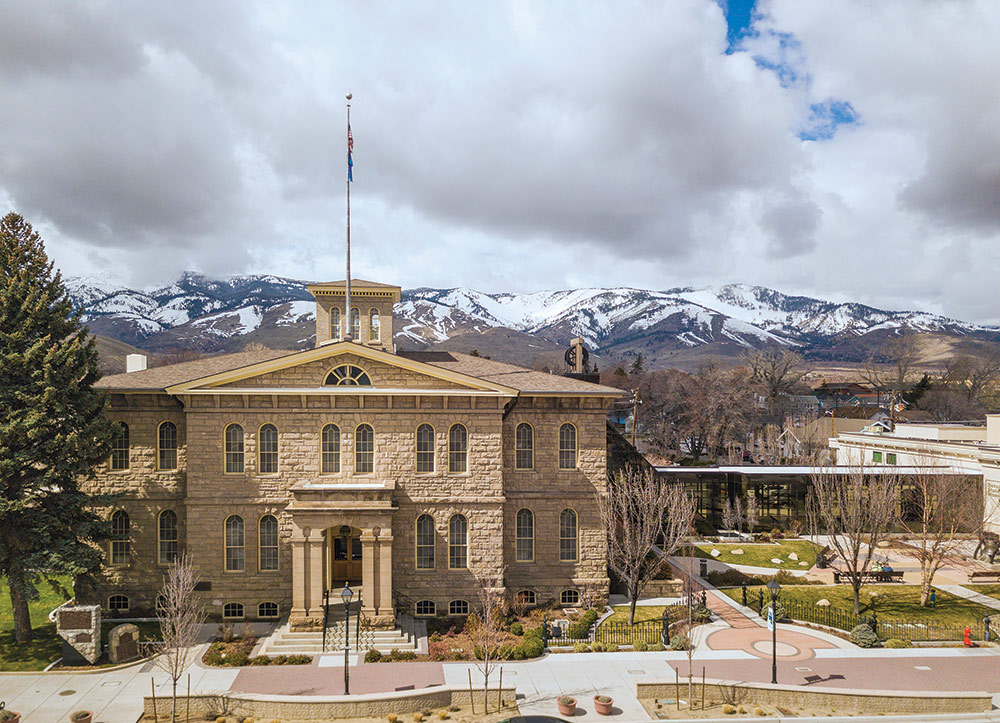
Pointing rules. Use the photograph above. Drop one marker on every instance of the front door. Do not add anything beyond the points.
(345, 559)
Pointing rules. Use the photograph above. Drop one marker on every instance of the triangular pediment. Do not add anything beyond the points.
(309, 370)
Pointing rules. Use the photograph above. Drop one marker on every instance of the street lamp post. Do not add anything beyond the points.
(346, 594)
(775, 588)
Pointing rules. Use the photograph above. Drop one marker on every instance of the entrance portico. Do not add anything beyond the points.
(330, 522)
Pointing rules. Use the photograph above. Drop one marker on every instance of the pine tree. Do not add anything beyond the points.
(53, 430)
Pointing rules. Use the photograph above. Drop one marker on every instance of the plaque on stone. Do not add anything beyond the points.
(80, 628)
(123, 643)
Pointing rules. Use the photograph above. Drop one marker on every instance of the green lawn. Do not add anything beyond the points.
(761, 555)
(642, 612)
(47, 646)
(894, 601)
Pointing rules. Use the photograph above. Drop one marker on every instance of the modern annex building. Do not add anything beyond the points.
(413, 475)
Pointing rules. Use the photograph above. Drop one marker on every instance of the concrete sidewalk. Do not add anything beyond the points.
(971, 595)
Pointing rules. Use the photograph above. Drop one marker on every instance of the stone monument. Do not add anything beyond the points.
(123, 643)
(80, 628)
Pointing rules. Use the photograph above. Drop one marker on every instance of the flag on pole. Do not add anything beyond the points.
(350, 154)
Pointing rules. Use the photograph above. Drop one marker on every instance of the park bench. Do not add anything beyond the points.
(980, 575)
(873, 577)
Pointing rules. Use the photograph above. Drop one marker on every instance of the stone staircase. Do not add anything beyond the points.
(405, 636)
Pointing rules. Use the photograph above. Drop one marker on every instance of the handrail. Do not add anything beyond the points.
(326, 615)
(357, 627)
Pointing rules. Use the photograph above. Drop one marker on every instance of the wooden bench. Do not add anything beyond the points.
(979, 575)
(873, 577)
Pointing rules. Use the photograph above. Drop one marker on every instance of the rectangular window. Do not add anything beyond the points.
(876, 457)
(890, 458)
(120, 448)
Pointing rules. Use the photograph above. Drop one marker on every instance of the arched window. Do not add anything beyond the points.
(267, 543)
(167, 541)
(374, 330)
(121, 544)
(458, 542)
(267, 450)
(235, 560)
(267, 610)
(425, 542)
(424, 608)
(355, 324)
(348, 375)
(167, 446)
(458, 448)
(330, 450)
(232, 611)
(234, 449)
(525, 597)
(567, 446)
(567, 536)
(335, 323)
(364, 449)
(425, 449)
(524, 534)
(569, 597)
(118, 604)
(524, 446)
(120, 447)
(458, 607)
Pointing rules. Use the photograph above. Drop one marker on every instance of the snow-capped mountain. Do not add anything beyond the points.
(210, 315)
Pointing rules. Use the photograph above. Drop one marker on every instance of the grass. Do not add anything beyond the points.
(990, 590)
(642, 612)
(761, 555)
(894, 601)
(46, 646)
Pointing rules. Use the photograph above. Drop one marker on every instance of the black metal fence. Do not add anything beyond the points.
(621, 633)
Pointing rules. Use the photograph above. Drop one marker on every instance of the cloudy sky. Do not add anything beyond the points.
(849, 150)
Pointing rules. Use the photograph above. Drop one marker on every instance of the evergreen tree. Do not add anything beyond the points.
(638, 364)
(53, 430)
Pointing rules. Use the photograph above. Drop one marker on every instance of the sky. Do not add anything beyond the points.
(843, 149)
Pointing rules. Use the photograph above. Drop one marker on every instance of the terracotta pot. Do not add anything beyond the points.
(603, 708)
(568, 709)
(89, 718)
(15, 719)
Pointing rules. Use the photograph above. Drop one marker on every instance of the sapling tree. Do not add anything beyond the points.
(181, 617)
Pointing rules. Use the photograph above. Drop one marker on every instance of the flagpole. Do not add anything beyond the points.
(347, 283)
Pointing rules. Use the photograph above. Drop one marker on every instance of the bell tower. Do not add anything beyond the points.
(371, 313)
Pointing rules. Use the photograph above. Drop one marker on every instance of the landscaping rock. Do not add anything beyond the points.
(777, 560)
(824, 603)
(793, 556)
(804, 563)
(715, 553)
(736, 552)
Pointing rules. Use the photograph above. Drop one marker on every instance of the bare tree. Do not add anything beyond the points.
(181, 618)
(730, 518)
(638, 512)
(893, 366)
(752, 513)
(938, 509)
(857, 507)
(775, 370)
(486, 630)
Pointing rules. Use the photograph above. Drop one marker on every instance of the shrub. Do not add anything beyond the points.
(656, 647)
(897, 643)
(396, 655)
(640, 646)
(7, 715)
(299, 659)
(516, 629)
(597, 647)
(237, 658)
(435, 637)
(728, 709)
(702, 614)
(759, 712)
(260, 660)
(279, 660)
(602, 698)
(863, 636)
(779, 610)
(417, 717)
(581, 628)
(531, 648)
(392, 718)
(679, 642)
(442, 715)
(374, 656)
(567, 700)
(581, 648)
(213, 657)
(533, 633)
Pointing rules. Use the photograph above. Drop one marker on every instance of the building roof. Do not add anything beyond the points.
(354, 282)
(523, 380)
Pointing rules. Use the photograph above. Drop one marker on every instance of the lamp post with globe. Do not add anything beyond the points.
(774, 588)
(346, 594)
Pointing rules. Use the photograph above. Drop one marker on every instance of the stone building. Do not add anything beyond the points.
(411, 475)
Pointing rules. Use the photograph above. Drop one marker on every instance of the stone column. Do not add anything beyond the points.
(299, 580)
(368, 573)
(315, 547)
(385, 575)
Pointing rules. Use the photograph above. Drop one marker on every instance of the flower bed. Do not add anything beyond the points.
(236, 653)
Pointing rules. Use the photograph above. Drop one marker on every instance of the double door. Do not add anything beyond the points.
(345, 559)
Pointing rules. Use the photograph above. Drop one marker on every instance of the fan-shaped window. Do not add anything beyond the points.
(120, 447)
(167, 446)
(424, 608)
(232, 611)
(267, 610)
(458, 448)
(374, 326)
(330, 451)
(267, 450)
(234, 449)
(348, 375)
(458, 607)
(235, 560)
(425, 542)
(525, 597)
(121, 543)
(118, 604)
(569, 597)
(458, 542)
(167, 545)
(524, 536)
(567, 446)
(524, 446)
(364, 449)
(567, 536)
(425, 449)
(335, 323)
(355, 324)
(267, 543)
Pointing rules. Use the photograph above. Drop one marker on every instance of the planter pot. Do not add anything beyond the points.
(603, 708)
(15, 719)
(89, 718)
(567, 709)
